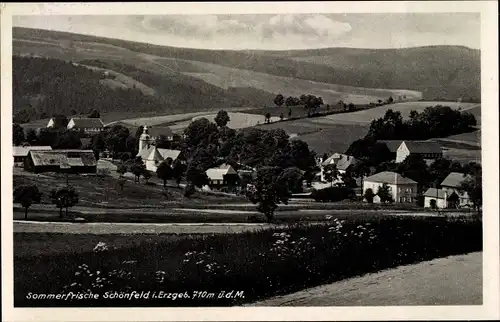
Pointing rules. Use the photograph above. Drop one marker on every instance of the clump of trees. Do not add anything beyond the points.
(66, 197)
(27, 195)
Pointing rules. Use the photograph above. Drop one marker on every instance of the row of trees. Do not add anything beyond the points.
(27, 195)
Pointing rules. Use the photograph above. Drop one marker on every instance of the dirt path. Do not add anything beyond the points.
(454, 280)
(130, 228)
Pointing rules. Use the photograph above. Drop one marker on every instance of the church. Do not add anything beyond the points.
(151, 155)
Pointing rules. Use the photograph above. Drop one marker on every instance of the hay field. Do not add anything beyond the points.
(226, 77)
(240, 120)
(366, 116)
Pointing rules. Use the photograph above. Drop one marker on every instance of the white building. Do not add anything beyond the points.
(452, 183)
(429, 151)
(341, 161)
(442, 198)
(86, 125)
(222, 176)
(403, 189)
(151, 155)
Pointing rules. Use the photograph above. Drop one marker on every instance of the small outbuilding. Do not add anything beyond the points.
(72, 161)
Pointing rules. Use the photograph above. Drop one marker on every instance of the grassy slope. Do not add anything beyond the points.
(445, 71)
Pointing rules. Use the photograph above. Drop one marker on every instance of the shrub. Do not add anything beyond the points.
(332, 194)
(103, 172)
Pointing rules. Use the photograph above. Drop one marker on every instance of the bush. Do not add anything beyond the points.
(332, 194)
(103, 172)
(262, 263)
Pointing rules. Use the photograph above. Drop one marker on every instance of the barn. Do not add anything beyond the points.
(72, 161)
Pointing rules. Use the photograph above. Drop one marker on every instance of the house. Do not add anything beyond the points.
(73, 161)
(403, 189)
(452, 184)
(156, 132)
(153, 156)
(429, 151)
(341, 161)
(86, 125)
(442, 198)
(223, 176)
(21, 152)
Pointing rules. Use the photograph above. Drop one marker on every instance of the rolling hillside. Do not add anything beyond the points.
(253, 77)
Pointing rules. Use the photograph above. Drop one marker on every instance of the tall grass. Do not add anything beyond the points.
(261, 264)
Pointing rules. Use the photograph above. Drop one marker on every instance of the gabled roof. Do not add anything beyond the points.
(390, 178)
(22, 151)
(438, 193)
(392, 145)
(83, 123)
(454, 180)
(157, 131)
(168, 153)
(423, 147)
(73, 158)
(342, 161)
(219, 172)
(145, 153)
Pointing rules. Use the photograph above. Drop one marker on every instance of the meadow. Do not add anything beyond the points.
(261, 264)
(366, 116)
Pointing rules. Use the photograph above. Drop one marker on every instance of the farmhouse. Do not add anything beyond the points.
(451, 184)
(341, 161)
(429, 151)
(224, 176)
(86, 125)
(156, 132)
(151, 155)
(402, 189)
(73, 161)
(21, 152)
(440, 198)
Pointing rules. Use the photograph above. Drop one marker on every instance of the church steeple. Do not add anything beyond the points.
(144, 139)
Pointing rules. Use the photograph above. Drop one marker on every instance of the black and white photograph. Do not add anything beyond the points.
(269, 159)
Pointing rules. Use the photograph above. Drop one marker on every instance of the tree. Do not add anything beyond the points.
(384, 193)
(178, 170)
(116, 139)
(94, 114)
(26, 195)
(282, 116)
(390, 100)
(369, 195)
(268, 117)
(165, 171)
(292, 101)
(331, 173)
(147, 175)
(473, 186)
(138, 168)
(17, 134)
(121, 169)
(64, 198)
(279, 100)
(270, 189)
(222, 118)
(60, 121)
(196, 175)
(289, 113)
(31, 137)
(415, 168)
(189, 190)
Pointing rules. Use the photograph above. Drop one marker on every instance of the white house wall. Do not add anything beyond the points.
(394, 190)
(402, 153)
(440, 203)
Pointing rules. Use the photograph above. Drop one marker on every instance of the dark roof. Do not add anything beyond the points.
(390, 178)
(439, 194)
(22, 151)
(392, 145)
(84, 123)
(454, 180)
(423, 147)
(72, 158)
(156, 131)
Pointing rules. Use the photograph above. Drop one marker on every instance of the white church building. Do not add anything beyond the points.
(151, 155)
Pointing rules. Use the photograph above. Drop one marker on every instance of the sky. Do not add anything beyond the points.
(274, 32)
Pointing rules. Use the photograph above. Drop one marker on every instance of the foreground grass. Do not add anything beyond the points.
(262, 264)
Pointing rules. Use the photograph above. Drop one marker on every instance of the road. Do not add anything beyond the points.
(454, 280)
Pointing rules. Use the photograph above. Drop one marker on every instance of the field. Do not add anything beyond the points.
(240, 120)
(262, 264)
(366, 116)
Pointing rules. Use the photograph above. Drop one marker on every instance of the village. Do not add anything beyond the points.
(328, 178)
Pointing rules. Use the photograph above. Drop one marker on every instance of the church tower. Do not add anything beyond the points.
(144, 139)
